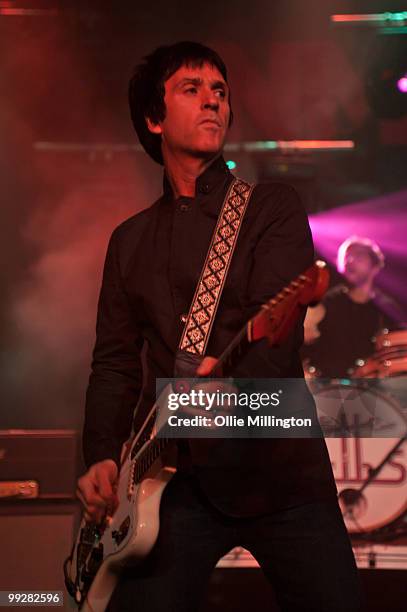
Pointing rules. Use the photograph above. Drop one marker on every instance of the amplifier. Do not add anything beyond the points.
(39, 463)
(36, 536)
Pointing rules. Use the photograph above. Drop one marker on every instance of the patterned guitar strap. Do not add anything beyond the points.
(198, 326)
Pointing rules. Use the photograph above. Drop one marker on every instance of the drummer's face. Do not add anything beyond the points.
(359, 267)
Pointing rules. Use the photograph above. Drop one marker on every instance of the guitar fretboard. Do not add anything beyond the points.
(148, 456)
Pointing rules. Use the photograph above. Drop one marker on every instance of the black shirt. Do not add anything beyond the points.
(347, 333)
(152, 266)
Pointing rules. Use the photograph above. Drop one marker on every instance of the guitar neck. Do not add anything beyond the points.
(232, 354)
(274, 319)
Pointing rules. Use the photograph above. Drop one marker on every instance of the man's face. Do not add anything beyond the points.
(197, 112)
(358, 266)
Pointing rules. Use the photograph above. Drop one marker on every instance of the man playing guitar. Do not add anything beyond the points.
(275, 497)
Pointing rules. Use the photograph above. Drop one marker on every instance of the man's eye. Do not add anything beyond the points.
(221, 93)
(191, 90)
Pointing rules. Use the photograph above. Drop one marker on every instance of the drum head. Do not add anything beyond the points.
(374, 425)
(358, 408)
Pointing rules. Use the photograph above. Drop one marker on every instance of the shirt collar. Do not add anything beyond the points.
(214, 176)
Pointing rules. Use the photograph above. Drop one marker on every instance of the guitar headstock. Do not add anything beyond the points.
(279, 314)
(314, 283)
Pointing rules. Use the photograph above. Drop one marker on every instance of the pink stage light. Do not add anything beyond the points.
(402, 84)
(382, 219)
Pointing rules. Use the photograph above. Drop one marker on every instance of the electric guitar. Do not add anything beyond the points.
(101, 551)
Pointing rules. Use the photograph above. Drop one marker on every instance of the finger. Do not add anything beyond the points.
(104, 485)
(91, 519)
(112, 506)
(81, 498)
(87, 486)
(206, 366)
(94, 508)
(93, 516)
(215, 393)
(89, 495)
(96, 511)
(91, 500)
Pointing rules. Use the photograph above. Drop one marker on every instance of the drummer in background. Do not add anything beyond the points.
(339, 330)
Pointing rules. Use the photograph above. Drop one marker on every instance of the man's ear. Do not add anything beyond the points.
(155, 128)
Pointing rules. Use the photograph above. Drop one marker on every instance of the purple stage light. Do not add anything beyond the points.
(402, 84)
(383, 220)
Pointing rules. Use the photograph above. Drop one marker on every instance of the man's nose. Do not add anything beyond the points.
(210, 100)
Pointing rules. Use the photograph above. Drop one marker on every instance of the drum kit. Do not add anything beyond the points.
(364, 419)
(388, 364)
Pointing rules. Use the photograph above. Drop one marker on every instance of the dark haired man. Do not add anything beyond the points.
(351, 314)
(275, 497)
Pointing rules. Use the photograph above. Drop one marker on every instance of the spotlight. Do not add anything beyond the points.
(402, 84)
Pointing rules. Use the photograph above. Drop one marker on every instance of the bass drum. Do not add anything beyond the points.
(385, 498)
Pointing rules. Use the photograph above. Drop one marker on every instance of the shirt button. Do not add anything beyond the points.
(183, 318)
(184, 207)
(204, 188)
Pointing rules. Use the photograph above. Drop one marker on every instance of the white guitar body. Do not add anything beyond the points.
(125, 539)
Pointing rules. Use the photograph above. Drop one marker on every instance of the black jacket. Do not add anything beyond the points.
(152, 266)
